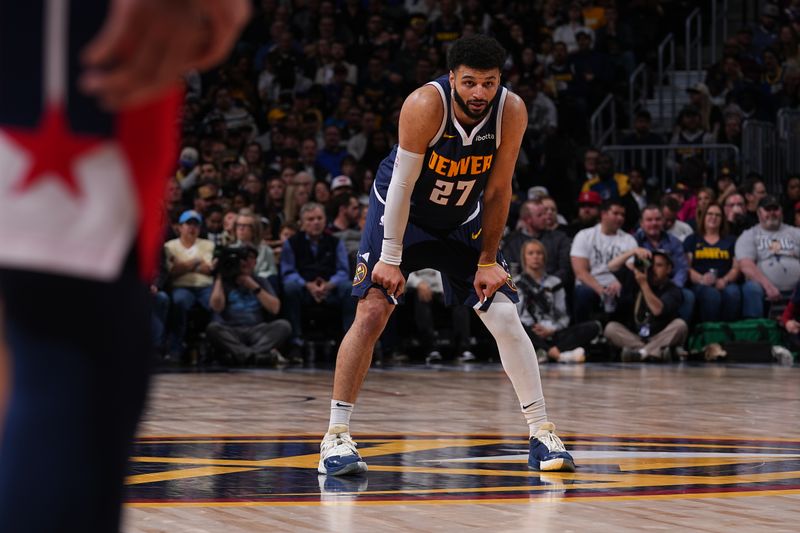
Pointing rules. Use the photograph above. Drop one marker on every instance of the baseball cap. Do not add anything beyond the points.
(769, 201)
(341, 181)
(191, 214)
(590, 198)
(537, 192)
(189, 155)
(663, 253)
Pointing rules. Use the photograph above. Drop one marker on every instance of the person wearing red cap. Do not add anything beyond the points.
(588, 212)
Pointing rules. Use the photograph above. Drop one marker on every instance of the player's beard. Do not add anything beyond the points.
(465, 108)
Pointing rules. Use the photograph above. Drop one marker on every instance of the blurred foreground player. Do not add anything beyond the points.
(88, 105)
(440, 200)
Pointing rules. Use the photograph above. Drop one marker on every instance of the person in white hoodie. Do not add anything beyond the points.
(542, 309)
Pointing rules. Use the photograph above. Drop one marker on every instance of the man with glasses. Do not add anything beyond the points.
(769, 255)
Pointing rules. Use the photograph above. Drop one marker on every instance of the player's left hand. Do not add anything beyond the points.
(146, 45)
(488, 280)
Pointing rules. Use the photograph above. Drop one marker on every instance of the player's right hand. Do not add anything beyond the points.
(390, 278)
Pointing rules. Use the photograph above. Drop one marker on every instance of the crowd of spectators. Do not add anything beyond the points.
(280, 146)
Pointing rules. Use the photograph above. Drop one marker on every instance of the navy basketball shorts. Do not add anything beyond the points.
(454, 253)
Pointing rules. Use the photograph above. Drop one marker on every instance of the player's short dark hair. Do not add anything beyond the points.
(480, 52)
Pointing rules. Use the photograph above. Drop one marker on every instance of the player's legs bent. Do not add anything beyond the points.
(519, 361)
(338, 455)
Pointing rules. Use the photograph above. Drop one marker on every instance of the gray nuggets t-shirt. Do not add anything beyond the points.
(776, 253)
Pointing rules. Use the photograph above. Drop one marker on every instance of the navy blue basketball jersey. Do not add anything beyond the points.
(455, 169)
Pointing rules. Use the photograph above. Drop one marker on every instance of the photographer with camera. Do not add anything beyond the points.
(246, 329)
(654, 325)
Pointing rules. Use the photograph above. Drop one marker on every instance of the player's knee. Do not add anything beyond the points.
(372, 313)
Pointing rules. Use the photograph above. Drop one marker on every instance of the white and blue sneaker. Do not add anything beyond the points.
(338, 455)
(547, 452)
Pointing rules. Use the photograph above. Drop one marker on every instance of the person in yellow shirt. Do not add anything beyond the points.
(189, 263)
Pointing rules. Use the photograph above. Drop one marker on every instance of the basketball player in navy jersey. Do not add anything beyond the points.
(440, 200)
(88, 108)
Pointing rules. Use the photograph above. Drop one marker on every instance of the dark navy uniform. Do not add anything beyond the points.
(444, 223)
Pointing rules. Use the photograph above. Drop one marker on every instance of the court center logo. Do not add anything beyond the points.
(361, 273)
(281, 470)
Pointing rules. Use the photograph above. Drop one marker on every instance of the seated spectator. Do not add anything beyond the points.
(769, 256)
(346, 226)
(250, 232)
(543, 310)
(790, 197)
(705, 197)
(341, 185)
(214, 224)
(690, 134)
(568, 32)
(643, 134)
(710, 115)
(332, 153)
(713, 268)
(426, 292)
(247, 330)
(790, 320)
(161, 304)
(554, 219)
(670, 207)
(591, 251)
(189, 265)
(345, 210)
(588, 213)
(637, 198)
(753, 189)
(797, 215)
(533, 225)
(654, 324)
(652, 236)
(733, 207)
(314, 271)
(607, 183)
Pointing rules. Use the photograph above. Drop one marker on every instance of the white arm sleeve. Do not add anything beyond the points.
(407, 166)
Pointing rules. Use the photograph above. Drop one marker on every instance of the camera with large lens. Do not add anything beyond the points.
(229, 261)
(641, 264)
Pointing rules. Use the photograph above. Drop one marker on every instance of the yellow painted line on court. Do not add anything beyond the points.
(495, 501)
(170, 475)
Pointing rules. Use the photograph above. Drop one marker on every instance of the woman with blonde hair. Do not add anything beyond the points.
(249, 230)
(542, 309)
(294, 199)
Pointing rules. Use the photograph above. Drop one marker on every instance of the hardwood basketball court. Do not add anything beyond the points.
(668, 447)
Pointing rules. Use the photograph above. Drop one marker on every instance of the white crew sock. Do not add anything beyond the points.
(518, 357)
(340, 413)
